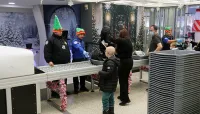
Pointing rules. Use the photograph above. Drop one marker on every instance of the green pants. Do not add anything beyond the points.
(107, 100)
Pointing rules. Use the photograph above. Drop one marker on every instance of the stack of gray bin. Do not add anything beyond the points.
(174, 82)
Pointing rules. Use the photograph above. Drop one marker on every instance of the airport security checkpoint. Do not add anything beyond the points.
(99, 57)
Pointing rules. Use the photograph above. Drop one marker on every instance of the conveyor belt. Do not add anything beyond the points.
(83, 65)
(66, 67)
(78, 69)
(58, 72)
(139, 63)
(70, 70)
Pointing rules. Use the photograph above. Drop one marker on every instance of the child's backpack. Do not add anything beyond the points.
(197, 47)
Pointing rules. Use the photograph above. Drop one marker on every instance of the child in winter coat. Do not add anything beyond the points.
(108, 80)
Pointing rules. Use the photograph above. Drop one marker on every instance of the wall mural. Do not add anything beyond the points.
(141, 35)
(97, 25)
(69, 18)
(17, 29)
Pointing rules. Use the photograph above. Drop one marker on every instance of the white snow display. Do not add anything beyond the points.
(16, 28)
(15, 62)
(67, 19)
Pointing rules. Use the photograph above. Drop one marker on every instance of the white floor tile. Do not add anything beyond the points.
(90, 103)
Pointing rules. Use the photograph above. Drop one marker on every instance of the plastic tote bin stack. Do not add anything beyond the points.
(174, 82)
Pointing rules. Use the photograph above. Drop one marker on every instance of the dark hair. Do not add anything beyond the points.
(154, 27)
(123, 33)
(105, 33)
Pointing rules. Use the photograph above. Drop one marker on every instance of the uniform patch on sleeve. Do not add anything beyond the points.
(63, 47)
(46, 42)
(75, 42)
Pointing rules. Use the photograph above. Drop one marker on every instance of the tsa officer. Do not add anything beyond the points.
(79, 54)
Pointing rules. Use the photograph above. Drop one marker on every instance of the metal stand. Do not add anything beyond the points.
(3, 103)
(48, 93)
(141, 78)
(92, 84)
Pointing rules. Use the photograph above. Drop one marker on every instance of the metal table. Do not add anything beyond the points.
(53, 73)
(79, 69)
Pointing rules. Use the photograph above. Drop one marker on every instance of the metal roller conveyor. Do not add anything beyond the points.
(80, 69)
(64, 67)
(70, 70)
(139, 63)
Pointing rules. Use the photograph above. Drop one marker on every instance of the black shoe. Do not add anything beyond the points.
(105, 112)
(76, 92)
(68, 93)
(124, 103)
(84, 89)
(54, 95)
(111, 110)
(119, 97)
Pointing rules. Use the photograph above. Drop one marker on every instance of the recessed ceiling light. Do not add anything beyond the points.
(11, 3)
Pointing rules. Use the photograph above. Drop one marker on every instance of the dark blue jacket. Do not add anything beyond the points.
(109, 75)
(166, 45)
(78, 47)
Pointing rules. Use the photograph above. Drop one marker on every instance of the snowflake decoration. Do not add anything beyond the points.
(107, 6)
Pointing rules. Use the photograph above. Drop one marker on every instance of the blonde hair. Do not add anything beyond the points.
(110, 50)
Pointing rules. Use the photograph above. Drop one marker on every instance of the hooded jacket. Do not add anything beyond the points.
(109, 75)
(197, 47)
(106, 36)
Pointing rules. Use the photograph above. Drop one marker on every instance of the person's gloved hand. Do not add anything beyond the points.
(86, 54)
(180, 40)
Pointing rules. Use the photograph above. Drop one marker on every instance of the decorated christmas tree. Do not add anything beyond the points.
(95, 36)
(140, 37)
(72, 32)
(10, 33)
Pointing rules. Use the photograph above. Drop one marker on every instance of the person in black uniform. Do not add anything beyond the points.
(57, 49)
(124, 50)
(106, 37)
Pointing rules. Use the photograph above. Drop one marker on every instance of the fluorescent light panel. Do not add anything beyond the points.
(11, 3)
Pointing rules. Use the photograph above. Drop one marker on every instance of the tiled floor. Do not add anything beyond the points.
(90, 103)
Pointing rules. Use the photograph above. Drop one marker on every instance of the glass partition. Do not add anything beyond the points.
(179, 19)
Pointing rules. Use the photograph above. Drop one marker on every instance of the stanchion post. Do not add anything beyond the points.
(92, 84)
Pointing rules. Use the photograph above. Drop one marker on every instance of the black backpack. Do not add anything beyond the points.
(197, 48)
